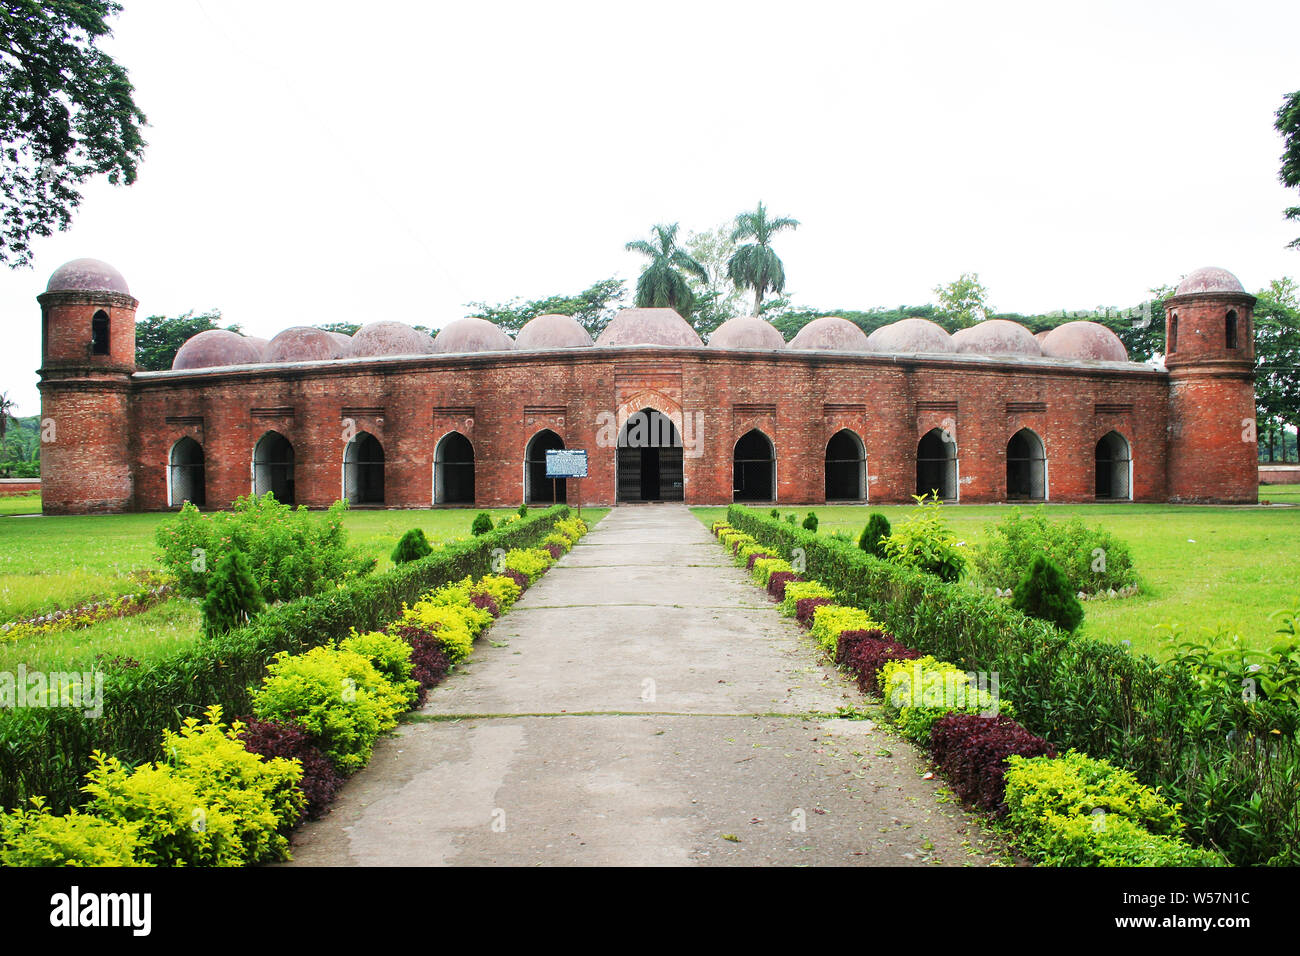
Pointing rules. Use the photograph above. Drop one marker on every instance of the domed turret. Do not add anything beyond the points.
(997, 337)
(388, 337)
(215, 348)
(649, 327)
(303, 343)
(830, 334)
(1209, 279)
(553, 331)
(910, 335)
(746, 333)
(1090, 341)
(472, 335)
(87, 275)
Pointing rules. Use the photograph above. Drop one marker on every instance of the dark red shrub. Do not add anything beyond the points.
(865, 652)
(749, 562)
(777, 580)
(320, 781)
(804, 608)
(484, 600)
(429, 663)
(555, 551)
(518, 577)
(972, 752)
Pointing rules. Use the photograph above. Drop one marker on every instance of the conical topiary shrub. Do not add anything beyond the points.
(482, 523)
(810, 522)
(1045, 594)
(876, 531)
(412, 546)
(233, 596)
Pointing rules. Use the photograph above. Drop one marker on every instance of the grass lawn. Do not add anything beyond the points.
(20, 504)
(1201, 567)
(59, 561)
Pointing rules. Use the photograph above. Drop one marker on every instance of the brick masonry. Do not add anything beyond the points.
(115, 428)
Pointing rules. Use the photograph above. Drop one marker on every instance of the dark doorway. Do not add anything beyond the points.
(453, 471)
(1026, 467)
(185, 479)
(936, 466)
(846, 467)
(363, 471)
(273, 467)
(650, 458)
(754, 468)
(538, 488)
(1114, 468)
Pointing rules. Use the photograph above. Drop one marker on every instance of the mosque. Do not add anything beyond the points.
(392, 417)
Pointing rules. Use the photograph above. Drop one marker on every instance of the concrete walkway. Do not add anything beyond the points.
(643, 704)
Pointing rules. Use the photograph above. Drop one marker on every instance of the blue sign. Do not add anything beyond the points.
(566, 463)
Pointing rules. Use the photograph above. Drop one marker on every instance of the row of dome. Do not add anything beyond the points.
(658, 327)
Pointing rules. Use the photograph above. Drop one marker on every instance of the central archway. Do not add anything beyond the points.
(273, 467)
(538, 489)
(453, 471)
(1026, 467)
(754, 468)
(650, 458)
(936, 465)
(363, 471)
(846, 467)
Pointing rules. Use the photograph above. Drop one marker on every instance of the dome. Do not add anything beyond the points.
(910, 335)
(746, 332)
(258, 343)
(1209, 279)
(1039, 336)
(87, 275)
(1084, 340)
(553, 332)
(302, 343)
(214, 348)
(472, 335)
(830, 334)
(997, 337)
(388, 337)
(649, 327)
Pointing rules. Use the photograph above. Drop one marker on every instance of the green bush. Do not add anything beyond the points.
(523, 510)
(292, 552)
(36, 837)
(391, 656)
(1045, 594)
(411, 547)
(810, 522)
(774, 513)
(1091, 559)
(482, 523)
(233, 596)
(923, 541)
(791, 519)
(337, 696)
(874, 534)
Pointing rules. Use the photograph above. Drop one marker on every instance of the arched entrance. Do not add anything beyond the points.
(453, 471)
(273, 467)
(754, 468)
(846, 467)
(1026, 467)
(1114, 468)
(538, 489)
(185, 474)
(936, 466)
(363, 470)
(650, 458)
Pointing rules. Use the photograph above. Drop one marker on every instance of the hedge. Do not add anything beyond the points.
(1084, 694)
(46, 751)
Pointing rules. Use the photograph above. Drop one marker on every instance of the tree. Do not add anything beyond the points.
(755, 265)
(663, 283)
(346, 328)
(716, 298)
(232, 598)
(66, 115)
(412, 546)
(1277, 363)
(963, 302)
(1044, 593)
(592, 308)
(158, 338)
(7, 406)
(1288, 124)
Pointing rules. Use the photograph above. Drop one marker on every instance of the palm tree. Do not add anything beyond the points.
(662, 284)
(755, 265)
(7, 407)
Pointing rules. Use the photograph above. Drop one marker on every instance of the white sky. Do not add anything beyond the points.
(320, 161)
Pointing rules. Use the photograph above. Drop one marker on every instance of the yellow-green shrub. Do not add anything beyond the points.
(796, 591)
(564, 544)
(337, 696)
(918, 692)
(530, 562)
(502, 590)
(830, 619)
(764, 567)
(36, 837)
(451, 625)
(391, 656)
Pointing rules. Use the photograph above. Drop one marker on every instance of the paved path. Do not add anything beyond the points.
(643, 704)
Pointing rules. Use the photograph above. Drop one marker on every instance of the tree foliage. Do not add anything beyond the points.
(755, 265)
(158, 338)
(233, 597)
(963, 302)
(1288, 124)
(67, 114)
(664, 282)
(1044, 593)
(592, 308)
(1277, 362)
(716, 298)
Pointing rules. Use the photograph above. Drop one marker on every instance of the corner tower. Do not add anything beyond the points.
(87, 357)
(1210, 355)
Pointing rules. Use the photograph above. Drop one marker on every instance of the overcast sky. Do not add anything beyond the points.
(319, 161)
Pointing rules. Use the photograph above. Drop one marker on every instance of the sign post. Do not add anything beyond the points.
(567, 463)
